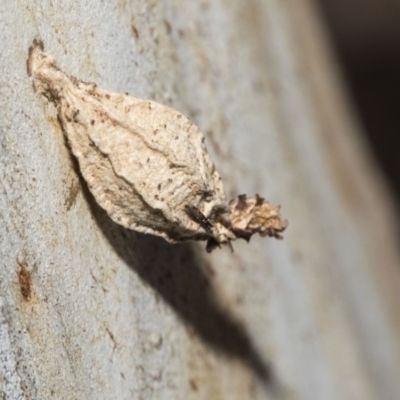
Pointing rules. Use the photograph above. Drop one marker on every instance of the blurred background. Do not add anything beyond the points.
(366, 38)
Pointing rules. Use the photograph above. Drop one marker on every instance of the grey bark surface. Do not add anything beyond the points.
(90, 310)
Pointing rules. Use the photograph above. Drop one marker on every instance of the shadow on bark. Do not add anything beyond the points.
(183, 279)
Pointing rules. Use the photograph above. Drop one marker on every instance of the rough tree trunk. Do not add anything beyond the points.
(90, 310)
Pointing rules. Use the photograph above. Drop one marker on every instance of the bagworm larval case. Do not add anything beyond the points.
(146, 163)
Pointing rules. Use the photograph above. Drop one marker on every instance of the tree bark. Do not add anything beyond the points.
(90, 310)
